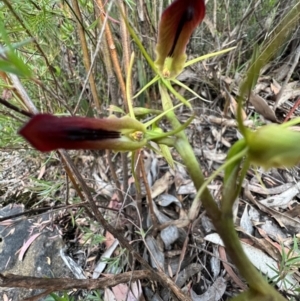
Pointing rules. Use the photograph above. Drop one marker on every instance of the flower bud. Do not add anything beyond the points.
(273, 146)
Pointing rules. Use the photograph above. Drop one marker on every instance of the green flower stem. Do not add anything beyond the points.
(187, 154)
(222, 222)
(255, 280)
(226, 230)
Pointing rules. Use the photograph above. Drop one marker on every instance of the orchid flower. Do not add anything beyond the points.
(177, 24)
(46, 132)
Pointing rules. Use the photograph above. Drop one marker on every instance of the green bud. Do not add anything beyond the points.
(273, 146)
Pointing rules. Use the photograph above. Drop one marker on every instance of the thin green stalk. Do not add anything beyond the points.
(187, 154)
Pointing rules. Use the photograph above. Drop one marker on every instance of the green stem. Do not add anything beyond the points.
(222, 222)
(255, 280)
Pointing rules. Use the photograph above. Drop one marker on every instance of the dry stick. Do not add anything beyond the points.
(67, 190)
(295, 106)
(95, 54)
(118, 71)
(111, 78)
(71, 170)
(62, 284)
(113, 52)
(14, 108)
(50, 68)
(54, 95)
(20, 91)
(125, 174)
(85, 53)
(294, 65)
(183, 251)
(155, 10)
(114, 174)
(124, 37)
(126, 59)
(238, 32)
(45, 209)
(137, 158)
(149, 198)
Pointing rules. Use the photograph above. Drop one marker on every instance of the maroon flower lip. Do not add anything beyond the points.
(46, 132)
(178, 22)
(187, 16)
(83, 134)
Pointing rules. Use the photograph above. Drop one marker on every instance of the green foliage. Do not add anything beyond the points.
(289, 265)
(46, 189)
(130, 3)
(91, 296)
(115, 264)
(55, 297)
(94, 296)
(91, 237)
(256, 118)
(10, 62)
(9, 135)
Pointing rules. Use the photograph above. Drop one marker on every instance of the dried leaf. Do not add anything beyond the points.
(151, 167)
(266, 191)
(187, 273)
(215, 262)
(5, 298)
(214, 292)
(72, 265)
(273, 231)
(122, 292)
(162, 218)
(283, 219)
(262, 107)
(268, 245)
(109, 239)
(42, 171)
(261, 243)
(282, 200)
(233, 108)
(162, 185)
(290, 92)
(150, 295)
(136, 289)
(229, 269)
(275, 87)
(246, 222)
(109, 295)
(167, 199)
(157, 257)
(218, 136)
(169, 235)
(27, 244)
(214, 156)
(100, 266)
(260, 260)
